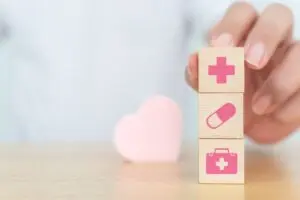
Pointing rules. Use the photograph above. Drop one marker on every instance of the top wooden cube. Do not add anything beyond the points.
(221, 70)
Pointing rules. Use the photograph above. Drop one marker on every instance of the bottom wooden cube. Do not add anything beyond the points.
(221, 161)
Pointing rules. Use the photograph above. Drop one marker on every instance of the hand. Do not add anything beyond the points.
(272, 57)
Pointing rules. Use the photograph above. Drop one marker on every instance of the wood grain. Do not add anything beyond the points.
(94, 171)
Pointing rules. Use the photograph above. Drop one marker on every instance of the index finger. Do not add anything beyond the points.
(234, 25)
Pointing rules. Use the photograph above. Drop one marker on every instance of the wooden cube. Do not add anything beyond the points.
(221, 69)
(221, 161)
(221, 115)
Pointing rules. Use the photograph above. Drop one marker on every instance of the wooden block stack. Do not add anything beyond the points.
(221, 96)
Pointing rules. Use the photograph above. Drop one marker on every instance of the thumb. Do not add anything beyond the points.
(191, 71)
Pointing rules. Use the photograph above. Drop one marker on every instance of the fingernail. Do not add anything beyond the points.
(224, 39)
(262, 104)
(255, 54)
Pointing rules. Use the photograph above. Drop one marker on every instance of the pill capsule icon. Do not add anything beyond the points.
(220, 116)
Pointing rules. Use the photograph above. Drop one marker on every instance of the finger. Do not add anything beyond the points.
(192, 83)
(266, 130)
(279, 54)
(191, 72)
(281, 84)
(270, 30)
(192, 67)
(234, 25)
(289, 113)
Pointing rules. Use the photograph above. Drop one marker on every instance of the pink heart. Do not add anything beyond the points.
(152, 134)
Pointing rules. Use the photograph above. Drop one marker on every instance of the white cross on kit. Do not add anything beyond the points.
(222, 164)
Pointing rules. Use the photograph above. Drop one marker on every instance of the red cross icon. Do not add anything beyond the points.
(221, 70)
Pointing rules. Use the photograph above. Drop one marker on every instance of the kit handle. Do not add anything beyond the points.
(222, 149)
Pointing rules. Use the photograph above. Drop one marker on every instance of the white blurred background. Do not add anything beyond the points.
(70, 69)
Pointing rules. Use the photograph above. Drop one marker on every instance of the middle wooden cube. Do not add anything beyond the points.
(221, 115)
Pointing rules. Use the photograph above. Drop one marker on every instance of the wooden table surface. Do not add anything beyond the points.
(96, 172)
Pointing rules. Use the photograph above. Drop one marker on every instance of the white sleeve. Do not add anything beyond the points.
(203, 14)
(8, 121)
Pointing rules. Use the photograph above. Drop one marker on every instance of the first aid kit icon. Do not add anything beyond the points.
(221, 161)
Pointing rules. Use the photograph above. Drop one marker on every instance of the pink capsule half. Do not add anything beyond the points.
(220, 116)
